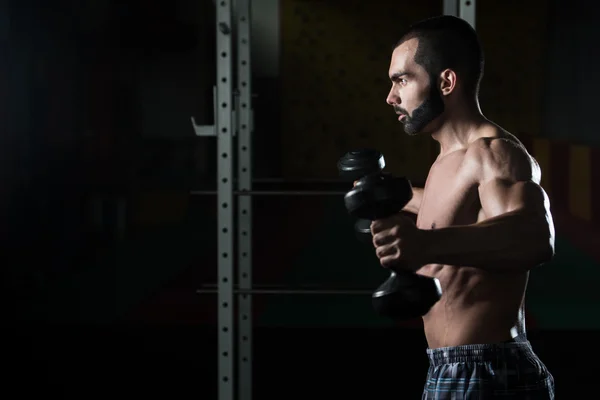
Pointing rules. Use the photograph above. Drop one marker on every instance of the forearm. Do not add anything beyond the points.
(414, 205)
(510, 241)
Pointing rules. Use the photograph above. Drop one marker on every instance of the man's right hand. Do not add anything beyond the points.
(414, 204)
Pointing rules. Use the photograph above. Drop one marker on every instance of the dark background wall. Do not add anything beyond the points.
(104, 247)
(570, 56)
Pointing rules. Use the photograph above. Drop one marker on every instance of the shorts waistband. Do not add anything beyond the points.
(479, 353)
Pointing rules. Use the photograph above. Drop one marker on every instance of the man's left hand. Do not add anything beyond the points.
(398, 242)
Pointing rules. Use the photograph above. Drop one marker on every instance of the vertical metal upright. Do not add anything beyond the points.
(244, 178)
(223, 129)
(451, 7)
(464, 9)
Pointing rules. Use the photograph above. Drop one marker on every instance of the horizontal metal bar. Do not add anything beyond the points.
(291, 291)
(282, 289)
(300, 180)
(305, 286)
(273, 192)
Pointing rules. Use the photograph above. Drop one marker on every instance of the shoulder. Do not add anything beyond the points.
(498, 150)
(502, 156)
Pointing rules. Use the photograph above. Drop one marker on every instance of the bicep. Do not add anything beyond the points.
(499, 196)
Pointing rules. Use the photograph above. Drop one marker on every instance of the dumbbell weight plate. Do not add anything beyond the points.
(356, 164)
(362, 229)
(378, 196)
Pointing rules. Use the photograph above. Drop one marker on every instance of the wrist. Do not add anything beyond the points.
(427, 249)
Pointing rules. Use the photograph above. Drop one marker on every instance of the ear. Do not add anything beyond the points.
(447, 82)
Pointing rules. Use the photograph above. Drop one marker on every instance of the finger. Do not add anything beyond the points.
(389, 250)
(389, 261)
(376, 226)
(380, 225)
(383, 238)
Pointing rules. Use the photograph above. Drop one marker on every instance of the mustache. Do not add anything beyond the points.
(400, 110)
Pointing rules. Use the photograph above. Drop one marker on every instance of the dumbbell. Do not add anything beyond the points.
(376, 195)
(354, 166)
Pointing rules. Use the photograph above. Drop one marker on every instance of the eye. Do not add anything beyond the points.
(402, 81)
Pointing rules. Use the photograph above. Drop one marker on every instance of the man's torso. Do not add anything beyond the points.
(477, 306)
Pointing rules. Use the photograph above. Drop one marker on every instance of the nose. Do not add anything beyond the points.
(392, 98)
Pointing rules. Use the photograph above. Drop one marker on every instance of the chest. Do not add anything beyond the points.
(450, 196)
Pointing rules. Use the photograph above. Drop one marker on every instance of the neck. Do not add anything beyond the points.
(456, 132)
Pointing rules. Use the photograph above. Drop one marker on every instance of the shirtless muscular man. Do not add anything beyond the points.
(483, 221)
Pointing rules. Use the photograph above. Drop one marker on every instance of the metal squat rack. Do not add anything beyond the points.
(234, 117)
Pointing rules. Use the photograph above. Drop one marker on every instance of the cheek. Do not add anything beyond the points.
(415, 96)
(411, 98)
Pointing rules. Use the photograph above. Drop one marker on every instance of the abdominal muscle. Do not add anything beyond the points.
(477, 306)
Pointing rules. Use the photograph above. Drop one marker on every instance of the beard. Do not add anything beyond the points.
(429, 110)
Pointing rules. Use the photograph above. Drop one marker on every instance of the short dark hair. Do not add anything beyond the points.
(448, 42)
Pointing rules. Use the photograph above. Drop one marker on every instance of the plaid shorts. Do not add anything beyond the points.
(508, 370)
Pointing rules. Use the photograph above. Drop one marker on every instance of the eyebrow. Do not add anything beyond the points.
(397, 75)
